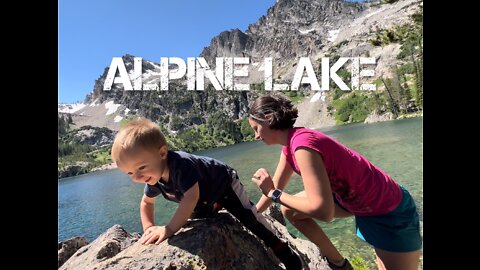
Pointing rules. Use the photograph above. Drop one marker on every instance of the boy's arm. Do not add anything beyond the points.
(185, 209)
(280, 179)
(147, 207)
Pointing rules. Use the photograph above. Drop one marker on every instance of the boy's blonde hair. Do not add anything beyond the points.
(139, 134)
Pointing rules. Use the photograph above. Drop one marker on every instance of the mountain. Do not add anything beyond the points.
(290, 29)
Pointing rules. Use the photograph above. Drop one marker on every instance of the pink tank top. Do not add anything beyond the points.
(358, 185)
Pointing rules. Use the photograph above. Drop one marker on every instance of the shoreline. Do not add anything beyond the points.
(105, 167)
(314, 125)
(78, 172)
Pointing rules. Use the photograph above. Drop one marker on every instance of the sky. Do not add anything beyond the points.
(91, 33)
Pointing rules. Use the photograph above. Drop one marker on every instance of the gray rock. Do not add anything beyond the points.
(275, 213)
(289, 30)
(79, 167)
(94, 136)
(374, 117)
(220, 242)
(67, 248)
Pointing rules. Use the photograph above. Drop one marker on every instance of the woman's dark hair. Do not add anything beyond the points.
(277, 111)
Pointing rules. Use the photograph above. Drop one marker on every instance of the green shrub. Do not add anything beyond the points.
(246, 130)
(354, 108)
(176, 123)
(406, 69)
(359, 263)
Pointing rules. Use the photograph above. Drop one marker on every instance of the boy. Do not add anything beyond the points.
(201, 186)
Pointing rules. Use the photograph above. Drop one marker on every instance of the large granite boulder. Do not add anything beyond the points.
(221, 242)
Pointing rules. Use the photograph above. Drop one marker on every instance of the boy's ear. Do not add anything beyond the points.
(163, 152)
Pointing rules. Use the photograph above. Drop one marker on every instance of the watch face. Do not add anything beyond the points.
(276, 194)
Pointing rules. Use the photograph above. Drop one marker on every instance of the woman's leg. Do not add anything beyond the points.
(308, 227)
(395, 235)
(387, 260)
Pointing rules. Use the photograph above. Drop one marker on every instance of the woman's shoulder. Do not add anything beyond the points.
(306, 137)
(306, 133)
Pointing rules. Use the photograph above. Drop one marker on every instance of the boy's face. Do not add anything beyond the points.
(144, 166)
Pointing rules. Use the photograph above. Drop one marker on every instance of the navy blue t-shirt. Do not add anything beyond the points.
(213, 177)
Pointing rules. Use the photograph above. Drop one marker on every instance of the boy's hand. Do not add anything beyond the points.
(155, 234)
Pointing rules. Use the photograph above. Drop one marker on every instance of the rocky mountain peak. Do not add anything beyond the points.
(227, 43)
(291, 28)
(99, 95)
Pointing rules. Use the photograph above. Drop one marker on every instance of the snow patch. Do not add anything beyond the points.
(318, 96)
(262, 66)
(94, 103)
(70, 108)
(111, 107)
(306, 31)
(332, 35)
(126, 111)
(155, 65)
(373, 13)
(117, 118)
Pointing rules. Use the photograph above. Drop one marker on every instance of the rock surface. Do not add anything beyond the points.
(373, 118)
(67, 248)
(77, 168)
(215, 243)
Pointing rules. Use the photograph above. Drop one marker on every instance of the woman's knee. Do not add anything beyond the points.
(398, 260)
(287, 212)
(292, 215)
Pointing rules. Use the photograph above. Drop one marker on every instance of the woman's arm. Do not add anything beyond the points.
(280, 179)
(318, 202)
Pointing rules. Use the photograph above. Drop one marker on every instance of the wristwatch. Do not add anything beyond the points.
(276, 195)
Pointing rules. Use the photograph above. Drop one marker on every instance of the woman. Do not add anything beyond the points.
(338, 183)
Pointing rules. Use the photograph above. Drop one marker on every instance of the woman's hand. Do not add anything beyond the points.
(263, 180)
(155, 234)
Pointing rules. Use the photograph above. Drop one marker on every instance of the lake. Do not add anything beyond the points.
(90, 204)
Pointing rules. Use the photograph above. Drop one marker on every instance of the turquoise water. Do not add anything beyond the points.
(91, 203)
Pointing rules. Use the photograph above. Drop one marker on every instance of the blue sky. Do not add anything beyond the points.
(91, 32)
